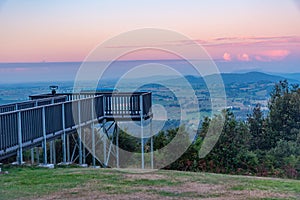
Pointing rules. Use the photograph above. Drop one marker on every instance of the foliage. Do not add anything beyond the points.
(263, 145)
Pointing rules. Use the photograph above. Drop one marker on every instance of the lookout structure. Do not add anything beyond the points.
(47, 118)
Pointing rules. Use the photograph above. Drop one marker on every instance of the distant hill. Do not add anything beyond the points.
(250, 77)
(294, 76)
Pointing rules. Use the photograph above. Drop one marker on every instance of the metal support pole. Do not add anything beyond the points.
(79, 134)
(151, 144)
(64, 134)
(17, 158)
(93, 136)
(83, 148)
(104, 142)
(93, 145)
(142, 131)
(117, 144)
(104, 106)
(44, 137)
(20, 153)
(110, 147)
(80, 146)
(32, 156)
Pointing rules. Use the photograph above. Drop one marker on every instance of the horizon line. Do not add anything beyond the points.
(44, 62)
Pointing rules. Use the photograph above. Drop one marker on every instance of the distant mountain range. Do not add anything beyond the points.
(250, 77)
(253, 77)
(228, 78)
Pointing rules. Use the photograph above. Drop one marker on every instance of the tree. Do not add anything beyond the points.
(284, 117)
(159, 140)
(223, 157)
(256, 127)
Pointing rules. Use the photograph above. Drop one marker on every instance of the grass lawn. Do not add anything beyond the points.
(88, 183)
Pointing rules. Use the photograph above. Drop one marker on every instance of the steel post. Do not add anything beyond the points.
(64, 134)
(142, 131)
(93, 136)
(20, 150)
(44, 137)
(32, 155)
(151, 144)
(104, 142)
(117, 144)
(79, 134)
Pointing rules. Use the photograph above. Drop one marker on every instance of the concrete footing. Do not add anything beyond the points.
(49, 166)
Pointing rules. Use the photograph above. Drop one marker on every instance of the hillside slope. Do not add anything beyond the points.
(88, 183)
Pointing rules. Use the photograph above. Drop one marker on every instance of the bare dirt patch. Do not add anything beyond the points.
(99, 195)
(184, 189)
(257, 194)
(191, 187)
(196, 191)
(145, 176)
(217, 192)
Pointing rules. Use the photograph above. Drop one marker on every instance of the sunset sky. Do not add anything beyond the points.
(242, 31)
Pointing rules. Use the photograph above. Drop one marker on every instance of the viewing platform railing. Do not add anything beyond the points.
(26, 124)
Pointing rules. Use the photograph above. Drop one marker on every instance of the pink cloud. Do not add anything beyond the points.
(243, 57)
(255, 40)
(272, 55)
(227, 57)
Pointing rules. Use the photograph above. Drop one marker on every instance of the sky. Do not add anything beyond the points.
(236, 33)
